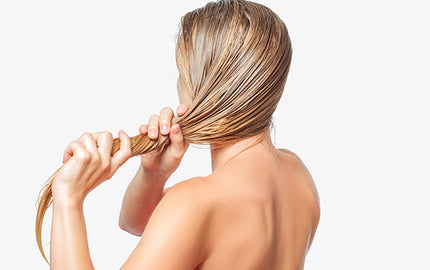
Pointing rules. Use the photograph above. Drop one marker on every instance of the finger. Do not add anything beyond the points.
(68, 153)
(124, 152)
(177, 145)
(182, 109)
(166, 116)
(153, 126)
(143, 129)
(89, 142)
(104, 141)
(77, 151)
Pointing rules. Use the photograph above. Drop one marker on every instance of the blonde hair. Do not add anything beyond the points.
(233, 57)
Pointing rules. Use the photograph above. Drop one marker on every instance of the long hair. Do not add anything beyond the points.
(233, 58)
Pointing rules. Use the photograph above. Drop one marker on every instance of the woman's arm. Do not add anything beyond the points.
(177, 234)
(69, 243)
(87, 163)
(141, 197)
(147, 187)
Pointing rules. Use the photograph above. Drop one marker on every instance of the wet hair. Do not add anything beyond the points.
(233, 59)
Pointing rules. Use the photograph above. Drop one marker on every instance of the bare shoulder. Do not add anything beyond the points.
(290, 154)
(176, 230)
(192, 188)
(287, 151)
(188, 197)
(302, 172)
(202, 195)
(294, 160)
(192, 193)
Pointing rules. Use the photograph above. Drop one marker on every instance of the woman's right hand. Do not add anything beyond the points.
(164, 163)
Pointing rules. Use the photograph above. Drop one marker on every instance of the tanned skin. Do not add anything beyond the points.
(259, 209)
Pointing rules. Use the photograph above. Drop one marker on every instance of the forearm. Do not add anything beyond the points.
(69, 243)
(140, 199)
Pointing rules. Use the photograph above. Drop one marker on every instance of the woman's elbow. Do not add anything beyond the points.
(125, 227)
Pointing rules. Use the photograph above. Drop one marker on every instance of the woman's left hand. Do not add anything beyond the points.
(88, 163)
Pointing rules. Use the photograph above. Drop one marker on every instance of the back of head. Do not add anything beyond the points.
(233, 58)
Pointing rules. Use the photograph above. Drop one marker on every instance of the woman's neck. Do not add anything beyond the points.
(221, 156)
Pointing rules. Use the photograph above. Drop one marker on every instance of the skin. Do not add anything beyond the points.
(259, 209)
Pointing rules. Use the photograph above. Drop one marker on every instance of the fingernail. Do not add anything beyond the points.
(180, 110)
(164, 129)
(176, 130)
(151, 133)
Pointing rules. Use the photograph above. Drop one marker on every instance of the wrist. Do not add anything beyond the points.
(67, 201)
(154, 175)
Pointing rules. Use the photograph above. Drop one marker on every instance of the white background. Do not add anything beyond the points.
(355, 109)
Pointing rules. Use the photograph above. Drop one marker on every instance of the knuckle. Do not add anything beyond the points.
(105, 164)
(95, 158)
(86, 135)
(74, 144)
(107, 134)
(176, 154)
(154, 117)
(164, 121)
(166, 110)
(127, 153)
(84, 156)
(153, 121)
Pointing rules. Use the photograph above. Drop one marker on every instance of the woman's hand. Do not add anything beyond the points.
(88, 163)
(163, 164)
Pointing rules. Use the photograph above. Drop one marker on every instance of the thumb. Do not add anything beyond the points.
(177, 144)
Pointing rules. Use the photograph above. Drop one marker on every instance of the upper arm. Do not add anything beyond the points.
(175, 234)
(165, 191)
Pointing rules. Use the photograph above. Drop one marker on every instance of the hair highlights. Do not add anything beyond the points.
(233, 57)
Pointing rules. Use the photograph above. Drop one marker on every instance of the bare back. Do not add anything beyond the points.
(265, 213)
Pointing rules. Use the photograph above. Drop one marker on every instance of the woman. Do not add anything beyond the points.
(259, 209)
